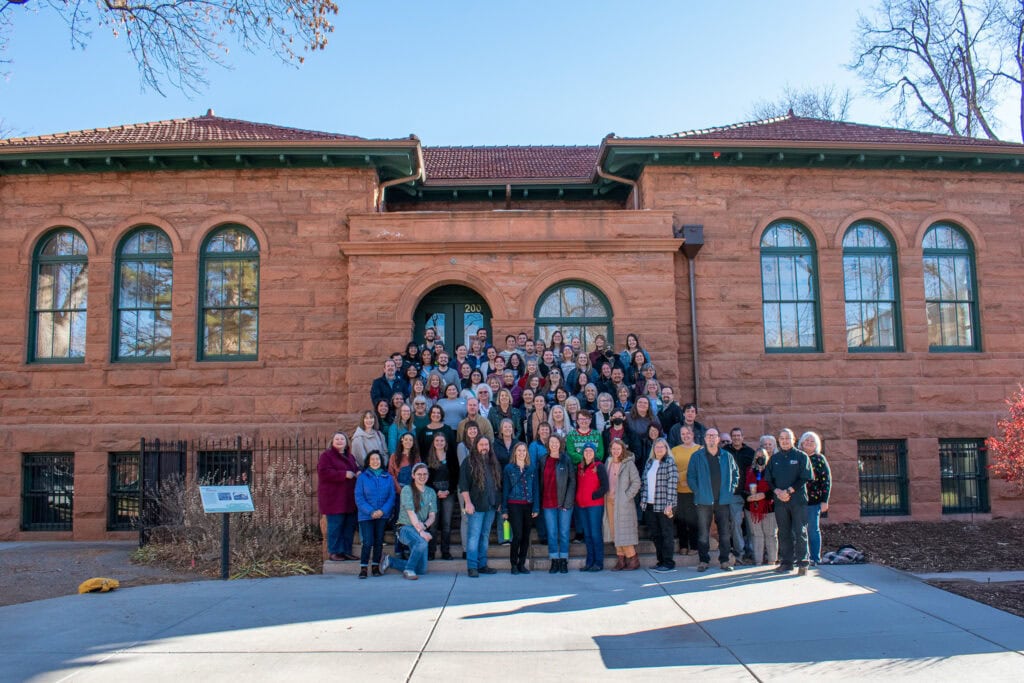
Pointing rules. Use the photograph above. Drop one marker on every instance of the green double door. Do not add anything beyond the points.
(455, 313)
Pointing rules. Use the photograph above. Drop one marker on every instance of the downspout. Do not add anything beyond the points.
(617, 179)
(420, 174)
(693, 240)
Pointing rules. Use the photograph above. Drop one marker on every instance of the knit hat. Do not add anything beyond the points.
(591, 445)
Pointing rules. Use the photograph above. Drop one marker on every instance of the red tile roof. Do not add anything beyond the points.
(792, 128)
(509, 163)
(200, 129)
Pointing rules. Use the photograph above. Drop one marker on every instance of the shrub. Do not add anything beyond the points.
(1007, 453)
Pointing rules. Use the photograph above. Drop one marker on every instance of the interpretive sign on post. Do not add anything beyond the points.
(225, 500)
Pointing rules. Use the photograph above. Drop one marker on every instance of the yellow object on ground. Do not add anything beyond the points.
(98, 585)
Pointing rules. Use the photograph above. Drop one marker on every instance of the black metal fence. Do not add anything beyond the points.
(884, 485)
(47, 491)
(224, 462)
(964, 475)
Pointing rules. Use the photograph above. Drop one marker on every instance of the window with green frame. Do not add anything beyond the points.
(577, 310)
(789, 288)
(230, 289)
(142, 319)
(60, 284)
(869, 280)
(950, 290)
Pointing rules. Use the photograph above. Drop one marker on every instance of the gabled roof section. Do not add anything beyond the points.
(792, 128)
(200, 129)
(206, 141)
(799, 141)
(493, 164)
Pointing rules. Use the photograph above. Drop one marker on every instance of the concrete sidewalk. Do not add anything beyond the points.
(863, 621)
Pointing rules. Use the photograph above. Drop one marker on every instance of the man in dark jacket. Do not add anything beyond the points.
(788, 472)
(670, 414)
(387, 385)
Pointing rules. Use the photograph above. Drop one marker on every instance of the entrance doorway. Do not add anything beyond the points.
(455, 312)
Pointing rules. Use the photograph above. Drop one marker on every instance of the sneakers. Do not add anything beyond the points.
(409, 574)
(362, 572)
(802, 570)
(702, 567)
(385, 563)
(726, 567)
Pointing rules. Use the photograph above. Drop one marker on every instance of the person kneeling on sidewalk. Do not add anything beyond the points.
(416, 514)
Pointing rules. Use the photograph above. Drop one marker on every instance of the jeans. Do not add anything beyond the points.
(540, 524)
(371, 534)
(792, 520)
(814, 531)
(521, 520)
(341, 531)
(593, 534)
(417, 561)
(478, 533)
(442, 531)
(723, 520)
(765, 538)
(686, 521)
(557, 521)
(740, 546)
(660, 527)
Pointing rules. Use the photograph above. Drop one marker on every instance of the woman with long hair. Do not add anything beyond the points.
(557, 343)
(503, 409)
(435, 387)
(401, 425)
(760, 511)
(475, 377)
(368, 437)
(410, 373)
(520, 504)
(480, 489)
(516, 365)
(620, 508)
(337, 470)
(405, 455)
(538, 414)
(417, 510)
(560, 426)
(638, 425)
(444, 479)
(375, 499)
(658, 491)
(567, 361)
(554, 382)
(591, 488)
(438, 424)
(557, 478)
(632, 346)
(426, 363)
(383, 412)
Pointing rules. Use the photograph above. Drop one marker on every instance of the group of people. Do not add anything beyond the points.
(583, 446)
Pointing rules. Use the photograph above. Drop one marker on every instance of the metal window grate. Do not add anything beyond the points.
(123, 492)
(47, 494)
(964, 475)
(884, 487)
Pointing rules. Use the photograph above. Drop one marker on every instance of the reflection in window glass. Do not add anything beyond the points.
(950, 300)
(577, 310)
(143, 317)
(60, 297)
(230, 282)
(789, 289)
(869, 277)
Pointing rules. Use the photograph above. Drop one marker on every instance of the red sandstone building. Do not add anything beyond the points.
(210, 277)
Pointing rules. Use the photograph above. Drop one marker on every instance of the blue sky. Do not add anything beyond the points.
(458, 72)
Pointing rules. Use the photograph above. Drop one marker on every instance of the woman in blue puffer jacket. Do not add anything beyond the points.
(375, 499)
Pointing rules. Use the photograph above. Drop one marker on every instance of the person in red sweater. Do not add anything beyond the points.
(591, 487)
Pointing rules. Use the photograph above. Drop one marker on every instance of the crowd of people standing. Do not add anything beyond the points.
(582, 445)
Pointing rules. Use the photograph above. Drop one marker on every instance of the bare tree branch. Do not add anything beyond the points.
(820, 103)
(173, 41)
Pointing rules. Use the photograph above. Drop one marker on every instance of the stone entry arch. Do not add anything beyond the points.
(455, 311)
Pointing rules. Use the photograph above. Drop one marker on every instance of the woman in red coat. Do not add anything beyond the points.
(336, 495)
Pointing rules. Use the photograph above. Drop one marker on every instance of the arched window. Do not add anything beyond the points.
(575, 308)
(789, 288)
(60, 284)
(869, 280)
(950, 290)
(142, 319)
(229, 279)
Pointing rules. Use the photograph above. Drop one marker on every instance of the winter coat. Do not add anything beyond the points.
(375, 492)
(698, 478)
(365, 441)
(335, 493)
(624, 527)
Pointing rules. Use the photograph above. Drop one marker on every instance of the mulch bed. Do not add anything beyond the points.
(930, 547)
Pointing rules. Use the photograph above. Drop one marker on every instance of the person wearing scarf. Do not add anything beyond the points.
(760, 512)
